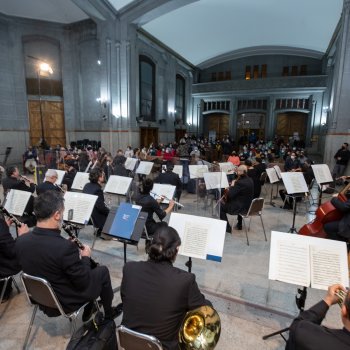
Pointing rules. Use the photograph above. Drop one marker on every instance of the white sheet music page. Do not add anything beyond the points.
(215, 180)
(294, 182)
(60, 174)
(82, 205)
(201, 237)
(227, 167)
(118, 184)
(144, 168)
(16, 201)
(272, 174)
(322, 173)
(80, 180)
(278, 171)
(197, 171)
(178, 169)
(130, 163)
(159, 190)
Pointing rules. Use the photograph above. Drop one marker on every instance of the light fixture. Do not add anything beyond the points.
(99, 62)
(139, 119)
(45, 67)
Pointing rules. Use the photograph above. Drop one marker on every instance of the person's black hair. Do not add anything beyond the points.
(10, 170)
(120, 160)
(346, 144)
(164, 244)
(95, 174)
(169, 166)
(248, 162)
(46, 204)
(258, 159)
(146, 186)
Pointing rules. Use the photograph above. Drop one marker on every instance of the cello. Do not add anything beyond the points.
(325, 213)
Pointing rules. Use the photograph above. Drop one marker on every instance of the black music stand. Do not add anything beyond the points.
(294, 196)
(136, 233)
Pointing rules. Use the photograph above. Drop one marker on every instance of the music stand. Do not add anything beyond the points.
(273, 178)
(127, 230)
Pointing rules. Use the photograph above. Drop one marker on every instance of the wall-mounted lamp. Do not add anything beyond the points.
(139, 120)
(161, 121)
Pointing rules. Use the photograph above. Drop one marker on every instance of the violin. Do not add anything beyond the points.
(325, 213)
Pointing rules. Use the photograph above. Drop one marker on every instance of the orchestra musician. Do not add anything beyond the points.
(238, 198)
(292, 163)
(151, 206)
(145, 281)
(43, 252)
(15, 181)
(100, 213)
(306, 332)
(49, 183)
(9, 265)
(170, 178)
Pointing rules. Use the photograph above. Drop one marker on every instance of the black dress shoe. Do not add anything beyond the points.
(116, 311)
(88, 311)
(238, 227)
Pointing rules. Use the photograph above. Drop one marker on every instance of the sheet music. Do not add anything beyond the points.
(197, 171)
(159, 190)
(118, 184)
(178, 169)
(80, 180)
(294, 182)
(82, 205)
(272, 174)
(144, 168)
(130, 163)
(305, 260)
(322, 173)
(227, 167)
(60, 174)
(16, 201)
(201, 237)
(215, 180)
(278, 171)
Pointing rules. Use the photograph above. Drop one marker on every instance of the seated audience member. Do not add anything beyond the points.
(8, 261)
(101, 211)
(30, 159)
(306, 332)
(234, 159)
(49, 183)
(45, 253)
(151, 206)
(170, 178)
(145, 281)
(239, 197)
(292, 163)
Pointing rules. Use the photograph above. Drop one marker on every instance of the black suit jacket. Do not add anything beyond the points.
(45, 253)
(156, 297)
(46, 186)
(100, 212)
(306, 332)
(8, 260)
(239, 196)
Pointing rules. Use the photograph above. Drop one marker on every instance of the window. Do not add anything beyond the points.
(303, 69)
(228, 75)
(147, 89)
(247, 73)
(294, 70)
(221, 76)
(264, 70)
(213, 76)
(285, 71)
(256, 72)
(180, 98)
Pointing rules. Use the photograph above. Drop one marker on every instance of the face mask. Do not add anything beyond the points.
(293, 157)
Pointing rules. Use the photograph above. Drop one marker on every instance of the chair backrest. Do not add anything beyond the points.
(131, 340)
(256, 207)
(263, 177)
(39, 291)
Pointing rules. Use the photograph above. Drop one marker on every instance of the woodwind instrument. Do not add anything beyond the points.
(341, 295)
(168, 199)
(24, 178)
(71, 229)
(60, 188)
(10, 216)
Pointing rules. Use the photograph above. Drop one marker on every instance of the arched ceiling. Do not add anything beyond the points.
(200, 30)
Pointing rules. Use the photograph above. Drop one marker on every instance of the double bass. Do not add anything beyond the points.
(325, 213)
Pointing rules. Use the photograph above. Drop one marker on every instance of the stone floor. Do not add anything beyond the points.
(249, 304)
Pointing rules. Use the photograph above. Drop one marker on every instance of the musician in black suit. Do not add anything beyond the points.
(238, 198)
(13, 182)
(170, 178)
(8, 261)
(306, 332)
(155, 294)
(100, 212)
(45, 253)
(151, 205)
(49, 183)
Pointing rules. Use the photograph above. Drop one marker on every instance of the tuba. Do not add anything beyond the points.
(200, 329)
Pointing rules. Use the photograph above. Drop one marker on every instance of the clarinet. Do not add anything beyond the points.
(10, 216)
(70, 228)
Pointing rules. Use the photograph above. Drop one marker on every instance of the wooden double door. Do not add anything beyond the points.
(291, 122)
(148, 136)
(52, 120)
(218, 123)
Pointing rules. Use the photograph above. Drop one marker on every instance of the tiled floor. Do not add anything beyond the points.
(249, 304)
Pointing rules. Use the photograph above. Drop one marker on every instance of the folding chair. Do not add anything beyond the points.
(132, 340)
(255, 209)
(6, 281)
(39, 292)
(262, 180)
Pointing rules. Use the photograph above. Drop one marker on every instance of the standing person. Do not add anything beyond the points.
(238, 198)
(342, 158)
(306, 332)
(46, 254)
(30, 159)
(101, 211)
(145, 281)
(170, 178)
(49, 183)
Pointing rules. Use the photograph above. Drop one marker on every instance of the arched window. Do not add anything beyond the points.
(147, 89)
(180, 98)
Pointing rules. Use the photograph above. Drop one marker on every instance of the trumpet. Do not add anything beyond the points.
(10, 216)
(168, 199)
(71, 229)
